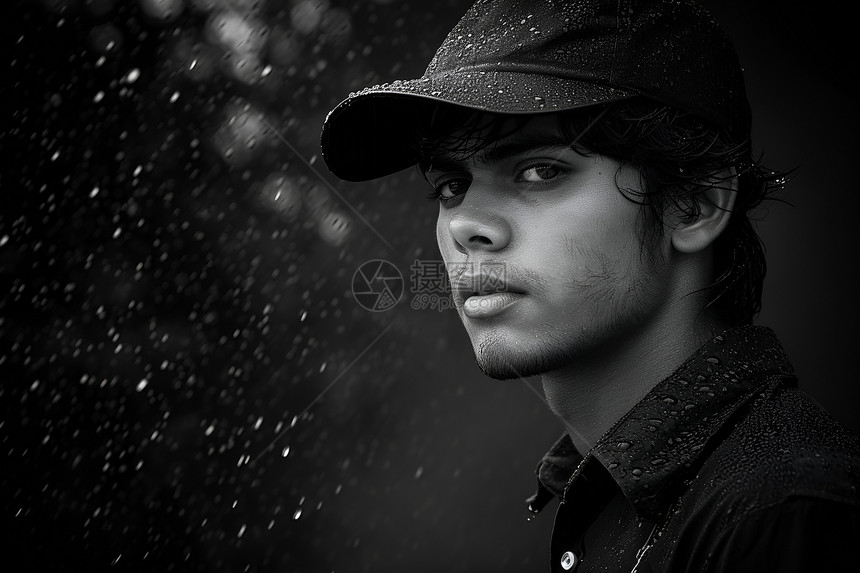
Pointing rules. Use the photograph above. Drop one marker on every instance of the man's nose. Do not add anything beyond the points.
(474, 230)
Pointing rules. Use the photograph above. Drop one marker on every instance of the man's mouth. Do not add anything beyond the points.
(483, 296)
(489, 305)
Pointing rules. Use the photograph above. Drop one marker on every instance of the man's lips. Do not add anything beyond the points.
(478, 285)
(482, 296)
(489, 305)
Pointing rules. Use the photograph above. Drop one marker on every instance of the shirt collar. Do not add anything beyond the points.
(658, 445)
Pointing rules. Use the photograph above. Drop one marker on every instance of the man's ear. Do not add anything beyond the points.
(716, 201)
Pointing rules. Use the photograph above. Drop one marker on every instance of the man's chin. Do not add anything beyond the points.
(498, 371)
(502, 362)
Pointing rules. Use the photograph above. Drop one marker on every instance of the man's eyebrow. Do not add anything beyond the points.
(515, 147)
(496, 153)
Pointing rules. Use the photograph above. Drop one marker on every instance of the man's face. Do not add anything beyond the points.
(532, 217)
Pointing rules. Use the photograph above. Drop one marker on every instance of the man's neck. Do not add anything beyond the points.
(591, 393)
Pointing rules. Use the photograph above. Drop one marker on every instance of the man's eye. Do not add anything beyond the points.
(539, 173)
(451, 188)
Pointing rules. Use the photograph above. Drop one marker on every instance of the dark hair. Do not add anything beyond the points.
(677, 154)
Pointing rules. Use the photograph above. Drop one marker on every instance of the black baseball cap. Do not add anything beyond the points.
(545, 56)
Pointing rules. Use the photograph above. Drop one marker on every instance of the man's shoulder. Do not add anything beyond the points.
(780, 482)
(780, 464)
(784, 446)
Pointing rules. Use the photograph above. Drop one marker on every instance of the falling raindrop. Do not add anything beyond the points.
(335, 227)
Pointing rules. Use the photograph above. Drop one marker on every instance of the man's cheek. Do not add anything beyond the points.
(440, 237)
(445, 242)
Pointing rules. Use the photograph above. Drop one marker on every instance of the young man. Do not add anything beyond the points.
(601, 152)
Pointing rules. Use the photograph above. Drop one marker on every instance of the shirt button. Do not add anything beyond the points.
(568, 560)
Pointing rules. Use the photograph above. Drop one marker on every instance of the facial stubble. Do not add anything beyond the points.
(620, 297)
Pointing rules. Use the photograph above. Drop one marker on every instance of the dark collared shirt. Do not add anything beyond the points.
(725, 466)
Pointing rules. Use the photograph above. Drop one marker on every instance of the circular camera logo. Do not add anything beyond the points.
(377, 285)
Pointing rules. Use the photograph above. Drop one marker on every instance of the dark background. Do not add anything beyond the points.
(187, 381)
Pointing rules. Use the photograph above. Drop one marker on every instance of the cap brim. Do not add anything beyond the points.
(374, 132)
